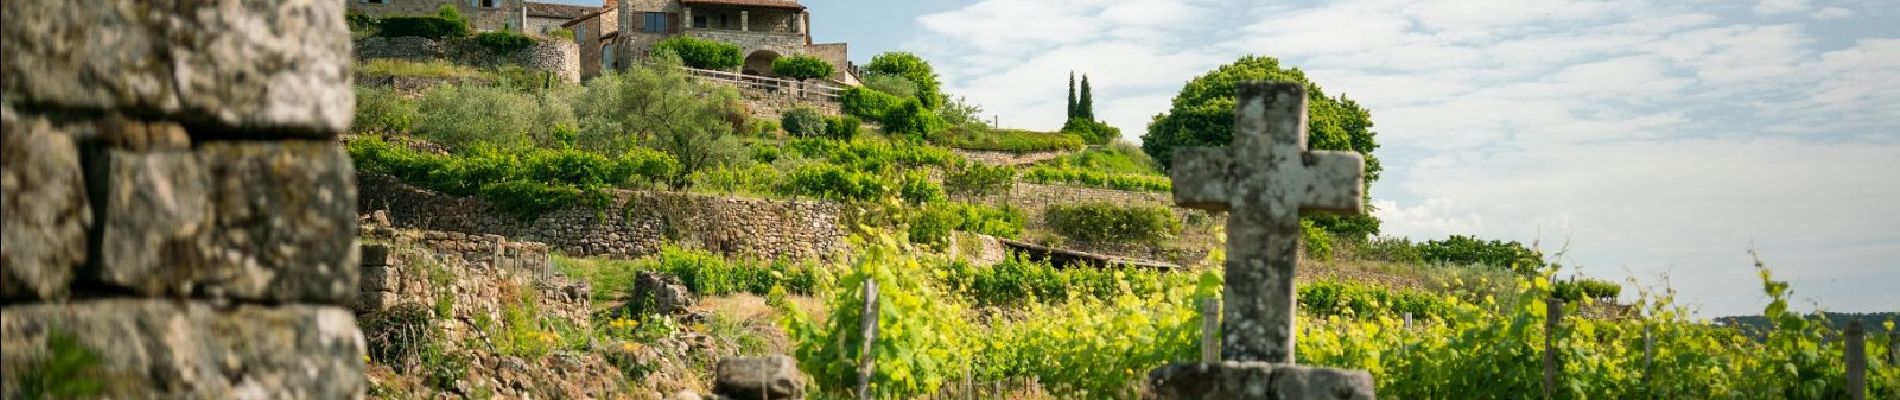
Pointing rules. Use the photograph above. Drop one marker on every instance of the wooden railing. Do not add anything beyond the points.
(821, 89)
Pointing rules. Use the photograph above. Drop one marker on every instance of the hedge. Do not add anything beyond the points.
(703, 53)
(868, 104)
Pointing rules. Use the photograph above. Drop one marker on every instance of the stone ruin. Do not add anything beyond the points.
(179, 219)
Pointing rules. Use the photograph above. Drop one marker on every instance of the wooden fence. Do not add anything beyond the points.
(817, 89)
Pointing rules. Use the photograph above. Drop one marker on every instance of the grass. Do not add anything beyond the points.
(433, 69)
(1009, 140)
(1116, 158)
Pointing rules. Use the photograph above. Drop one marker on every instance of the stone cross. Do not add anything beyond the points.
(1264, 179)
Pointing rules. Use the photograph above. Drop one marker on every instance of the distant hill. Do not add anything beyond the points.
(1757, 323)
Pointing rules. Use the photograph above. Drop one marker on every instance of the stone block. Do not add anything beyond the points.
(272, 67)
(44, 209)
(373, 255)
(192, 350)
(1257, 380)
(769, 377)
(249, 220)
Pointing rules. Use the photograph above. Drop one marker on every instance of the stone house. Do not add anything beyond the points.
(625, 31)
(483, 15)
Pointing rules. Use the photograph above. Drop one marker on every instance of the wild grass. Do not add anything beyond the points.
(430, 69)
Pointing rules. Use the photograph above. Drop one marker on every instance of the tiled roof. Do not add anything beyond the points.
(749, 3)
(563, 11)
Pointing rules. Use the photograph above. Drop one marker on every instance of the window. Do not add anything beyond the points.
(371, 1)
(607, 56)
(580, 33)
(484, 3)
(699, 21)
(655, 23)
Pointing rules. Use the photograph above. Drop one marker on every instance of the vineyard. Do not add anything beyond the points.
(1094, 334)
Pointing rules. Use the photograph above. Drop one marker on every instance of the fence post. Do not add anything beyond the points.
(869, 326)
(1406, 346)
(1893, 348)
(1649, 352)
(1856, 349)
(1553, 315)
(1210, 330)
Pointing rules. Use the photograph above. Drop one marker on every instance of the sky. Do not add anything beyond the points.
(1645, 140)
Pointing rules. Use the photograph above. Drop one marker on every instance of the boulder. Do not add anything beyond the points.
(769, 377)
(659, 293)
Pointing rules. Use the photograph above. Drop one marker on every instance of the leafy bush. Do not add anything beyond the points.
(1574, 290)
(464, 117)
(911, 118)
(1118, 157)
(702, 53)
(657, 106)
(978, 179)
(873, 155)
(361, 25)
(561, 33)
(802, 121)
(932, 223)
(522, 182)
(1319, 244)
(1109, 223)
(834, 182)
(914, 69)
(868, 104)
(432, 69)
(755, 179)
(1359, 300)
(891, 84)
(448, 23)
(380, 110)
(704, 273)
(1092, 131)
(842, 127)
(1010, 140)
(1460, 249)
(1093, 178)
(504, 41)
(922, 332)
(801, 67)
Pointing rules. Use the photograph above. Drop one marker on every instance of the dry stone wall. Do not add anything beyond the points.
(635, 224)
(175, 203)
(466, 273)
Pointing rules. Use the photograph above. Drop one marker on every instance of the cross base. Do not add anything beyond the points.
(1256, 380)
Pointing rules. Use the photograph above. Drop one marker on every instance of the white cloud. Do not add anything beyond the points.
(1657, 136)
(1773, 7)
(1831, 13)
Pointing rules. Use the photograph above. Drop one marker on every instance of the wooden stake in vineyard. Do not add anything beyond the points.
(1856, 352)
(869, 325)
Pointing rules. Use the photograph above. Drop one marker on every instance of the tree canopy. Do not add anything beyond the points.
(801, 67)
(1203, 115)
(914, 68)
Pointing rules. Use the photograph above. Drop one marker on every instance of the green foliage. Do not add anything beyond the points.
(1092, 131)
(913, 68)
(1319, 244)
(894, 85)
(432, 69)
(504, 41)
(911, 118)
(1011, 140)
(702, 53)
(1326, 298)
(932, 223)
(448, 23)
(1389, 249)
(960, 113)
(561, 33)
(1095, 178)
(523, 182)
(1085, 103)
(801, 67)
(398, 334)
(380, 110)
(835, 182)
(522, 334)
(922, 331)
(361, 25)
(655, 105)
(1460, 249)
(978, 179)
(464, 117)
(1110, 223)
(803, 121)
(1203, 115)
(1574, 290)
(868, 104)
(1118, 157)
(69, 370)
(873, 155)
(755, 179)
(1071, 108)
(842, 127)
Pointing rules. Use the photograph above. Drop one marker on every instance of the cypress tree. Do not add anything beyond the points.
(1071, 109)
(1085, 106)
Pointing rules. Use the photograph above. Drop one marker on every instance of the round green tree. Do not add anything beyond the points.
(1203, 115)
(801, 67)
(914, 68)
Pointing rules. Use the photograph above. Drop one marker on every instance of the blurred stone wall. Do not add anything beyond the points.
(178, 218)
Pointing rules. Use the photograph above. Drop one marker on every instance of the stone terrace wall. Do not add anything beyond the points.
(1008, 158)
(472, 270)
(1034, 199)
(636, 224)
(175, 202)
(562, 57)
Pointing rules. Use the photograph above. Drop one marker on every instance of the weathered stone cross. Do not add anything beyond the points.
(1264, 179)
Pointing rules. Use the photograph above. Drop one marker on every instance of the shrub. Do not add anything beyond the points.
(562, 33)
(1109, 223)
(1573, 290)
(911, 119)
(1011, 140)
(1460, 249)
(391, 67)
(868, 104)
(447, 23)
(978, 179)
(504, 41)
(656, 105)
(1354, 299)
(703, 53)
(1092, 131)
(801, 67)
(873, 155)
(842, 127)
(894, 85)
(1319, 244)
(803, 121)
(914, 69)
(1117, 157)
(831, 181)
(464, 117)
(1093, 178)
(380, 110)
(921, 337)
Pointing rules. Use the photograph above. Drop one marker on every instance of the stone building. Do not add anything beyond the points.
(625, 31)
(485, 15)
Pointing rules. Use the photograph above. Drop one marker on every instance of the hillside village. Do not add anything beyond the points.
(686, 199)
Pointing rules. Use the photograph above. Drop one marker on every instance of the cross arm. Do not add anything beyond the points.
(1200, 177)
(1338, 184)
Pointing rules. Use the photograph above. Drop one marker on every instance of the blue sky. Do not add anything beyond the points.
(1641, 139)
